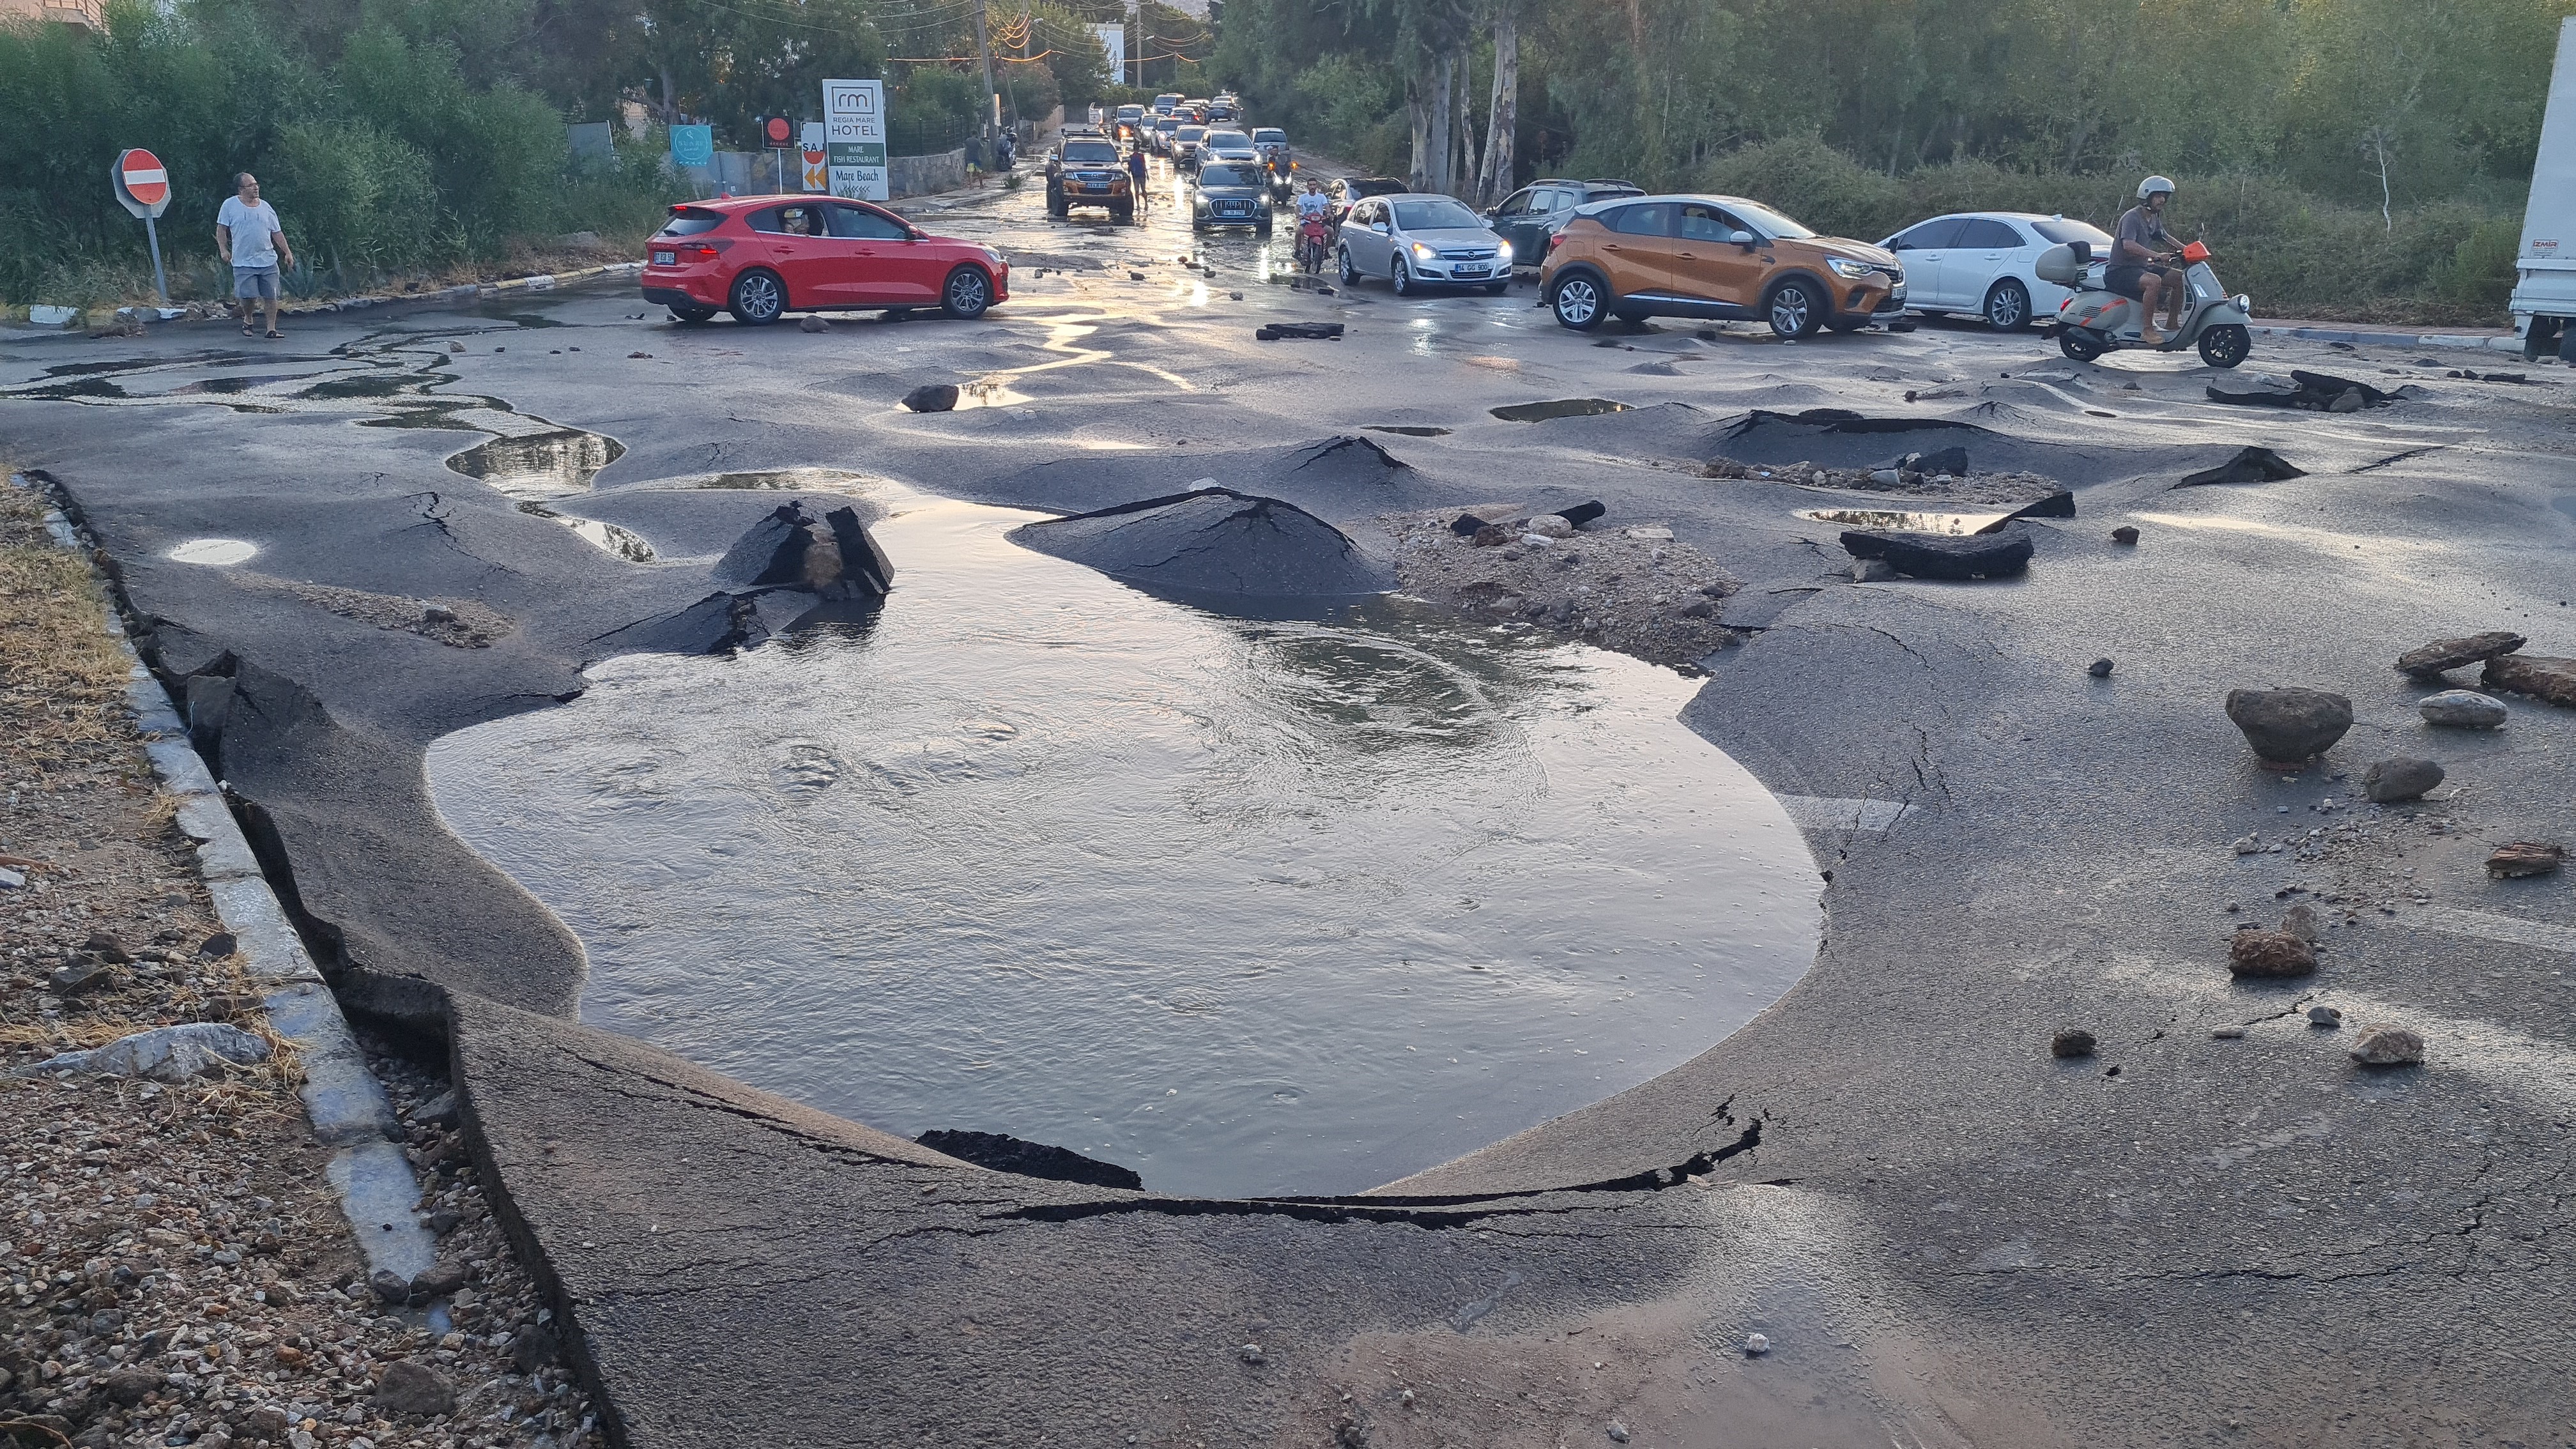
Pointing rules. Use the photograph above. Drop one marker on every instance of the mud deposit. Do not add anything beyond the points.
(1248, 906)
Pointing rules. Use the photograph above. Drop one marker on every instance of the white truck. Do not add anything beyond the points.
(2544, 293)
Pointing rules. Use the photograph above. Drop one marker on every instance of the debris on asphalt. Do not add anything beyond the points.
(2258, 952)
(2250, 465)
(1872, 571)
(1756, 1344)
(2125, 535)
(1001, 1152)
(1313, 331)
(456, 347)
(931, 397)
(2074, 1041)
(2289, 727)
(813, 323)
(2462, 709)
(1653, 598)
(2521, 858)
(2325, 1018)
(2013, 491)
(1943, 556)
(2308, 391)
(2388, 781)
(2387, 1046)
(2227, 1033)
(1617, 1431)
(2553, 680)
(2430, 661)
(633, 355)
(2301, 921)
(833, 556)
(1251, 1353)
(2099, 668)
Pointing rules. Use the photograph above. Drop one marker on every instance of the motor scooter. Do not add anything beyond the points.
(1283, 180)
(1315, 239)
(2097, 320)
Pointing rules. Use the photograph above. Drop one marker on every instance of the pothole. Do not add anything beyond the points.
(1249, 906)
(539, 465)
(1570, 407)
(1408, 430)
(608, 538)
(1889, 520)
(218, 553)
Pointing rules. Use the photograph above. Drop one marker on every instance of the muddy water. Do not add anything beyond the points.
(1251, 907)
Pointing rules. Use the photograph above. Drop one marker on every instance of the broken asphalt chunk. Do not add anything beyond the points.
(2429, 661)
(2388, 781)
(2250, 465)
(931, 397)
(2551, 679)
(1995, 555)
(1313, 331)
(1003, 1153)
(2387, 1046)
(2270, 953)
(2289, 726)
(2525, 858)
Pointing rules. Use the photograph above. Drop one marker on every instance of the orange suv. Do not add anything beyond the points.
(1713, 256)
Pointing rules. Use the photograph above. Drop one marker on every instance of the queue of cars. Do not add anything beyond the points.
(1602, 247)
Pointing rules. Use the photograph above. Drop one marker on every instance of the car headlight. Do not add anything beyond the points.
(1423, 252)
(1846, 267)
(1503, 252)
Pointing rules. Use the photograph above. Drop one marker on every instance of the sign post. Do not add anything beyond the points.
(817, 159)
(142, 187)
(854, 138)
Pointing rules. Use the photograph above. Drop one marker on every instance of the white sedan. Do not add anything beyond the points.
(1980, 262)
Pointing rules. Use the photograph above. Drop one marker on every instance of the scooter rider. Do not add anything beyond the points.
(2142, 258)
(1314, 218)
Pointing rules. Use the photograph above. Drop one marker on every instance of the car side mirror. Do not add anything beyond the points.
(1740, 238)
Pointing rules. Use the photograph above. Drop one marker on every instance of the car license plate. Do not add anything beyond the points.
(1467, 271)
(665, 259)
(1896, 294)
(1095, 186)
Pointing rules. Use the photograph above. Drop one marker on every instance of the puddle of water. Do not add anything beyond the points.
(606, 537)
(539, 465)
(213, 552)
(372, 385)
(1890, 520)
(1408, 431)
(1572, 407)
(87, 387)
(1249, 907)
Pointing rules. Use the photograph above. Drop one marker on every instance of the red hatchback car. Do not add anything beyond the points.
(760, 257)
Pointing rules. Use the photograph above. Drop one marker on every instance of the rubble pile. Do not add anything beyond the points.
(1927, 478)
(1633, 589)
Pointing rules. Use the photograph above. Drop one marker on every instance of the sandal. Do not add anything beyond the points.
(273, 332)
(249, 331)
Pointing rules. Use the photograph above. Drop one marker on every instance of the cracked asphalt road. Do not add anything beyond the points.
(1947, 1236)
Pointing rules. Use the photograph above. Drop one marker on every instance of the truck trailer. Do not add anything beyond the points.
(2544, 292)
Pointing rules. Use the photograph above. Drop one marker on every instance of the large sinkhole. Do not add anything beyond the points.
(1248, 905)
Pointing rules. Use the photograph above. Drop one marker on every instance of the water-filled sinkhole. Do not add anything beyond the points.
(1248, 905)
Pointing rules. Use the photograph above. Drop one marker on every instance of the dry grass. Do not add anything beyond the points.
(62, 677)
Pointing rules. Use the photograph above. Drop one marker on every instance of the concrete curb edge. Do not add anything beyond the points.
(342, 1098)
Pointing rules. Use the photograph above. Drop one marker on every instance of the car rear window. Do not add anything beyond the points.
(2059, 229)
(1269, 136)
(1228, 138)
(1935, 235)
(1651, 219)
(691, 222)
(1090, 153)
(1194, 133)
(1988, 234)
(1604, 193)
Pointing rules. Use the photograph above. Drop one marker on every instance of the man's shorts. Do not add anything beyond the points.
(255, 282)
(2131, 281)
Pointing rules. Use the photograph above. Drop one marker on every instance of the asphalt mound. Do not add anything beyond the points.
(1331, 474)
(1213, 544)
(1842, 438)
(1004, 1153)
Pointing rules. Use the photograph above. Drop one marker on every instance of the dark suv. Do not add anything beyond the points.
(1528, 215)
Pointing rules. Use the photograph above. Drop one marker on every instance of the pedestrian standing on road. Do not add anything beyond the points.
(253, 240)
(1136, 176)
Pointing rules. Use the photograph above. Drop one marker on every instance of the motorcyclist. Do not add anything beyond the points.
(2142, 258)
(1314, 218)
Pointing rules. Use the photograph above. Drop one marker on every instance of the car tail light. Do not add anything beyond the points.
(1555, 239)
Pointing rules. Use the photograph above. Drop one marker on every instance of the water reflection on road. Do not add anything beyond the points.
(1248, 906)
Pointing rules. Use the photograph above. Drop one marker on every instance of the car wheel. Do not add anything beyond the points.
(1400, 277)
(693, 314)
(2008, 306)
(2566, 343)
(966, 294)
(1578, 302)
(1794, 309)
(2226, 345)
(758, 298)
(1350, 274)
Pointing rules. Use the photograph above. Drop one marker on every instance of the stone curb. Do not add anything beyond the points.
(2455, 341)
(342, 1098)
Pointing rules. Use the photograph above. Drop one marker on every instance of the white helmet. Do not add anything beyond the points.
(2154, 184)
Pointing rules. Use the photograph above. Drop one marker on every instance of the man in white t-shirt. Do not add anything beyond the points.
(251, 237)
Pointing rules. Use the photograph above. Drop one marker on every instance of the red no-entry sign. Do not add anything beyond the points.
(141, 182)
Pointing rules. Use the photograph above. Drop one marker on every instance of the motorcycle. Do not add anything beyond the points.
(1314, 244)
(1283, 181)
(2097, 320)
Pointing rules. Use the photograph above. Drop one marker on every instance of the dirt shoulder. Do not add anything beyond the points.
(177, 1267)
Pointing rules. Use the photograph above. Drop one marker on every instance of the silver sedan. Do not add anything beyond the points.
(1416, 238)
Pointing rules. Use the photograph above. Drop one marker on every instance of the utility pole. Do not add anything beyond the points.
(1136, 16)
(992, 111)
